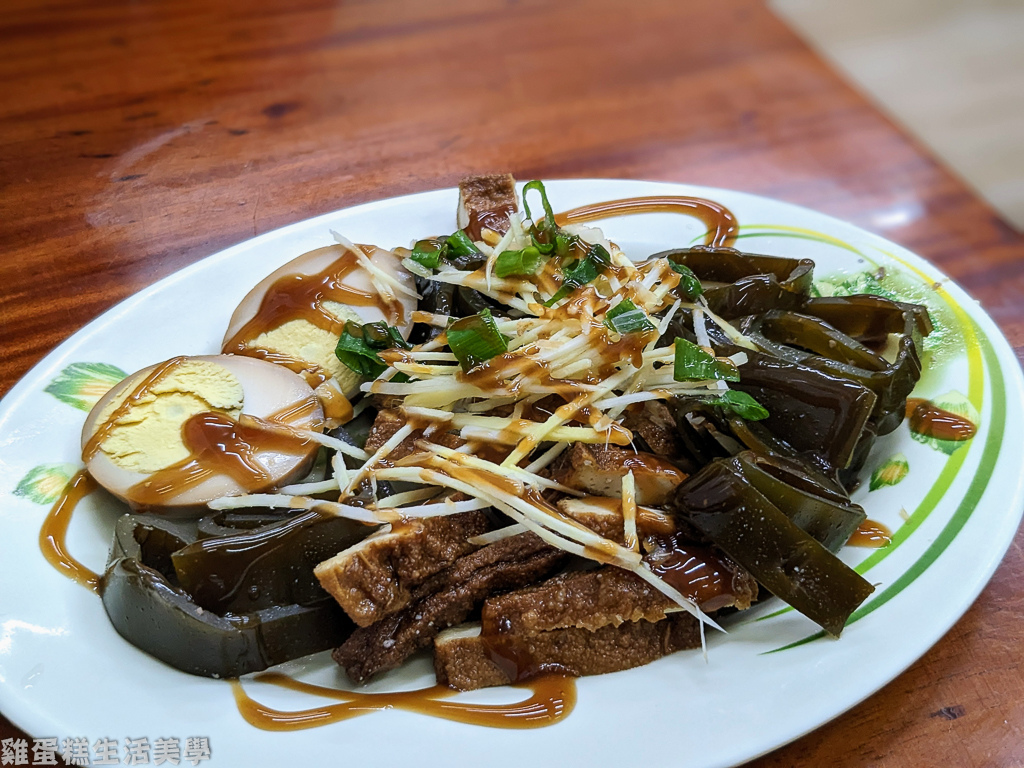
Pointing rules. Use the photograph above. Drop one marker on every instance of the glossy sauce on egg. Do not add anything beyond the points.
(262, 448)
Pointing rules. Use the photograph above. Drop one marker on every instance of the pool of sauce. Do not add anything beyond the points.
(926, 418)
(53, 534)
(494, 219)
(551, 699)
(696, 571)
(720, 221)
(870, 534)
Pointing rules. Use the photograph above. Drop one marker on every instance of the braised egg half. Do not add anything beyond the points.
(193, 429)
(295, 315)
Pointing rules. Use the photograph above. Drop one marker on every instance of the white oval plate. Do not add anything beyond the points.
(64, 672)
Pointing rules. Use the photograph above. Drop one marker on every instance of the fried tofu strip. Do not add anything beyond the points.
(463, 659)
(377, 576)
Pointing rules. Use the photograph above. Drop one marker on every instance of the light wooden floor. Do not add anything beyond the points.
(950, 71)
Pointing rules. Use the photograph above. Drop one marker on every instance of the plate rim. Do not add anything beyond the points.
(1003, 354)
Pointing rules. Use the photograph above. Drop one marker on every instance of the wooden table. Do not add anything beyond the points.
(137, 138)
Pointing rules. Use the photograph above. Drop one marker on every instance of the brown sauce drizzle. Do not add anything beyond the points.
(300, 410)
(649, 521)
(696, 571)
(141, 390)
(551, 700)
(503, 374)
(926, 418)
(218, 445)
(549, 278)
(721, 223)
(301, 297)
(479, 477)
(498, 375)
(495, 219)
(337, 407)
(515, 660)
(53, 534)
(311, 372)
(870, 534)
(649, 463)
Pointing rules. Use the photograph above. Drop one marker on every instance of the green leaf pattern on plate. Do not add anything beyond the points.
(81, 385)
(43, 484)
(850, 285)
(954, 402)
(891, 472)
(946, 341)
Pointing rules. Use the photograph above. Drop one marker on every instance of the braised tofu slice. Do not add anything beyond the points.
(467, 660)
(600, 471)
(603, 515)
(445, 599)
(387, 424)
(579, 599)
(485, 203)
(377, 576)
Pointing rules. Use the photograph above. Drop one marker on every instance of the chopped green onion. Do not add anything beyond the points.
(429, 253)
(461, 245)
(741, 404)
(626, 317)
(694, 364)
(476, 339)
(380, 335)
(547, 237)
(354, 352)
(564, 243)
(358, 345)
(582, 272)
(549, 214)
(453, 249)
(524, 262)
(732, 401)
(689, 284)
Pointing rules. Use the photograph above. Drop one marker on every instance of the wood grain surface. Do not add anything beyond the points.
(137, 138)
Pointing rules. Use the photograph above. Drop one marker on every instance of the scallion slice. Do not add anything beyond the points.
(732, 402)
(582, 272)
(524, 262)
(741, 404)
(429, 253)
(547, 237)
(689, 284)
(461, 245)
(380, 335)
(476, 339)
(626, 317)
(694, 364)
(549, 214)
(358, 345)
